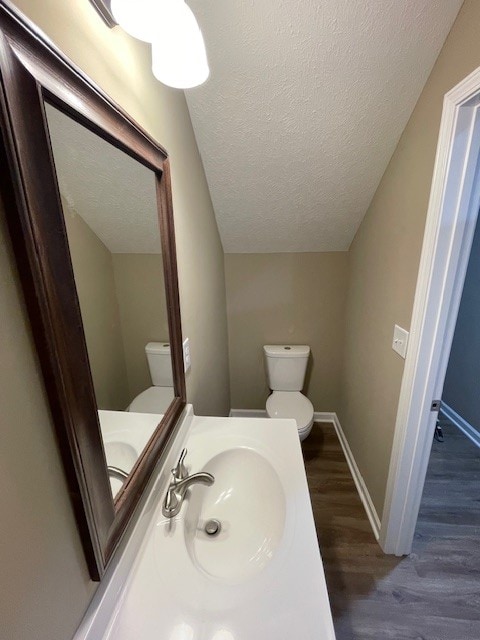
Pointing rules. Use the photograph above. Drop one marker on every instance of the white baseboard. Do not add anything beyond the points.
(462, 424)
(331, 416)
(324, 416)
(318, 416)
(358, 479)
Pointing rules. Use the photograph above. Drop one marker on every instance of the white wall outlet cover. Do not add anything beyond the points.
(187, 362)
(400, 341)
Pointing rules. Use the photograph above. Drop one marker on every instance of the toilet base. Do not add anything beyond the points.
(304, 433)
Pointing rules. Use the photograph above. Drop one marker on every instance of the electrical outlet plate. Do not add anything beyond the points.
(187, 362)
(400, 341)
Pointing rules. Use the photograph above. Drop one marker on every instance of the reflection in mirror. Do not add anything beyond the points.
(110, 210)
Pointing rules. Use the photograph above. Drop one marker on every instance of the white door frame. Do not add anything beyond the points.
(451, 219)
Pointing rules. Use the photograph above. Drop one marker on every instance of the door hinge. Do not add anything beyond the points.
(436, 405)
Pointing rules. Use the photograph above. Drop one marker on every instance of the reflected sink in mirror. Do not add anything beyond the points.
(121, 456)
(248, 500)
(125, 435)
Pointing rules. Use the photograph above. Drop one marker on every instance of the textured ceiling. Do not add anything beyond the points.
(111, 191)
(303, 109)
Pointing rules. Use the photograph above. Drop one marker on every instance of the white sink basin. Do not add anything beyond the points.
(248, 500)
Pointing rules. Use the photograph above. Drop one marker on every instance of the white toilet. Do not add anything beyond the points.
(156, 399)
(286, 367)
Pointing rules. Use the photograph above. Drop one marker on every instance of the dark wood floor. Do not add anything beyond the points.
(433, 594)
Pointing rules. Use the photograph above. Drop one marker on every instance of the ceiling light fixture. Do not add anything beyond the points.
(137, 17)
(179, 58)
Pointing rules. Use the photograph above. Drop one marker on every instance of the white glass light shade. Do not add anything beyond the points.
(137, 17)
(179, 58)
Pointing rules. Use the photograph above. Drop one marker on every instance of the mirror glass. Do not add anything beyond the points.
(111, 218)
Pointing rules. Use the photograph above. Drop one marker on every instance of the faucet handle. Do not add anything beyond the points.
(180, 471)
(171, 504)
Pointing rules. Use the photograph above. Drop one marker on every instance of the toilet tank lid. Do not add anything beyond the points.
(286, 350)
(158, 347)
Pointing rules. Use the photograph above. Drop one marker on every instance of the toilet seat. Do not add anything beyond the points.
(291, 404)
(152, 400)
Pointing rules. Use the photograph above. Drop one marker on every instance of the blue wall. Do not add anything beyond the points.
(462, 383)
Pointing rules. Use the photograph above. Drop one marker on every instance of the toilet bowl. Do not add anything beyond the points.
(157, 398)
(152, 400)
(286, 368)
(292, 404)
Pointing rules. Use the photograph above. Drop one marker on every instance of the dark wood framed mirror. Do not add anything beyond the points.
(45, 99)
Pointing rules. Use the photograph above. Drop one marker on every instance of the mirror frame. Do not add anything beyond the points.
(32, 71)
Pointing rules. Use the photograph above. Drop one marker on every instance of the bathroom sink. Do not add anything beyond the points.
(122, 456)
(248, 500)
(125, 435)
(260, 577)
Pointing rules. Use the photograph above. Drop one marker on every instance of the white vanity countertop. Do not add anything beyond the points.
(282, 595)
(262, 578)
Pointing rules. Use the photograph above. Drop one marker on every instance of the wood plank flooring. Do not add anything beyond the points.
(433, 594)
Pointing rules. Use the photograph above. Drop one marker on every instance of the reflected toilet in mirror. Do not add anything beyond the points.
(110, 212)
(158, 397)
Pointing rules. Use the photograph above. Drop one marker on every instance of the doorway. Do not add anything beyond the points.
(461, 392)
(451, 221)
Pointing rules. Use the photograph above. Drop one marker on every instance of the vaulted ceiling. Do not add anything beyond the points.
(304, 106)
(113, 193)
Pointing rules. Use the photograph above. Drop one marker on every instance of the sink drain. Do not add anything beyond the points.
(213, 527)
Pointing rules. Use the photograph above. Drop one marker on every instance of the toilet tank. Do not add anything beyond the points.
(286, 366)
(160, 363)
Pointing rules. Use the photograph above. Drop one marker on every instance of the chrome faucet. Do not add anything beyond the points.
(117, 473)
(179, 485)
(180, 471)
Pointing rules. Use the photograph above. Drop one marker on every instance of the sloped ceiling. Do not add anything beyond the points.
(304, 106)
(112, 192)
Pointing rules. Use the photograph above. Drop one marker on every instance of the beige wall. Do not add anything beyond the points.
(43, 567)
(384, 259)
(143, 314)
(45, 583)
(277, 298)
(123, 305)
(95, 282)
